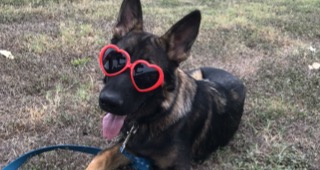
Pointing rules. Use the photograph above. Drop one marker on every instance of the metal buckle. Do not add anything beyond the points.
(133, 130)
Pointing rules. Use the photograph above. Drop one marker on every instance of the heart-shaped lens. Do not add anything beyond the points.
(145, 76)
(113, 61)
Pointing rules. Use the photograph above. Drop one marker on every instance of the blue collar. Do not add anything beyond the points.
(138, 163)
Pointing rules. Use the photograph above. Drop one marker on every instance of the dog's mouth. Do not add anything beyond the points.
(111, 125)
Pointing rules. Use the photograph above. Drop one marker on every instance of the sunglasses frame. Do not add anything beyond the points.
(131, 67)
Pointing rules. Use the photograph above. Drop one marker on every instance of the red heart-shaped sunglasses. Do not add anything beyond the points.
(145, 76)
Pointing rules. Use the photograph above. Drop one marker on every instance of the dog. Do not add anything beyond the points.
(155, 110)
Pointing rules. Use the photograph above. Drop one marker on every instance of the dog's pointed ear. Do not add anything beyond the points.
(129, 19)
(181, 36)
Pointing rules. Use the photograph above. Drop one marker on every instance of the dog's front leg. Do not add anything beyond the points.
(108, 159)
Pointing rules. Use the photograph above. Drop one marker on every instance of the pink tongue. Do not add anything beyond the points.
(111, 125)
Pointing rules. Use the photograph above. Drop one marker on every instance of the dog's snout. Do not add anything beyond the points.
(110, 101)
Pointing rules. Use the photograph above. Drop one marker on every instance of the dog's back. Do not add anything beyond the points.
(226, 95)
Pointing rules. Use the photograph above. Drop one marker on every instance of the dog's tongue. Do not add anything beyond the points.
(111, 125)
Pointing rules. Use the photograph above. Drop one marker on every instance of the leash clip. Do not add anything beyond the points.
(133, 130)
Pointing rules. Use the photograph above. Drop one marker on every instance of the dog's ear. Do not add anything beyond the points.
(129, 19)
(181, 36)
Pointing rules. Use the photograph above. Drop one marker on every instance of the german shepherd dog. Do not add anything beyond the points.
(177, 117)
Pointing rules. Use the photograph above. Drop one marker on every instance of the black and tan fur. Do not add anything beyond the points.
(187, 118)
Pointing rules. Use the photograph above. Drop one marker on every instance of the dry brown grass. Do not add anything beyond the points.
(48, 93)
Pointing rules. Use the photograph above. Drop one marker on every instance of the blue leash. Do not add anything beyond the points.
(138, 163)
(14, 165)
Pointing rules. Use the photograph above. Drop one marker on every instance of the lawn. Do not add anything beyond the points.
(49, 91)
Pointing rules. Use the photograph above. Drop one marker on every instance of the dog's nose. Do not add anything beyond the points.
(110, 101)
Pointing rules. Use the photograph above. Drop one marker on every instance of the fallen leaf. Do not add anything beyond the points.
(7, 54)
(314, 66)
(312, 49)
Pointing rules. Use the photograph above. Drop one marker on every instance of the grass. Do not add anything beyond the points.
(49, 91)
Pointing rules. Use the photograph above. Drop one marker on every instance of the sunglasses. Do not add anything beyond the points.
(145, 77)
